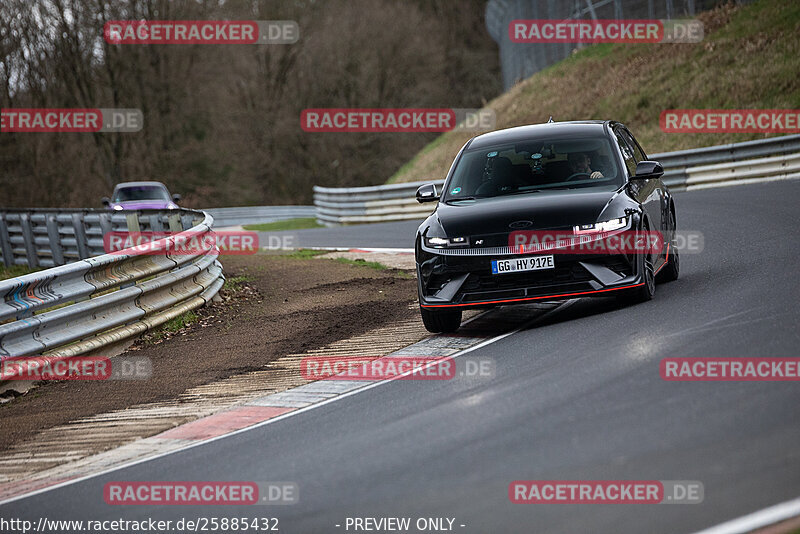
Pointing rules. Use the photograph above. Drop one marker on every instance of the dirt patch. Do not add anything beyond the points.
(282, 305)
(404, 262)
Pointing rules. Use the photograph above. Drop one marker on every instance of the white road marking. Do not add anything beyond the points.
(762, 518)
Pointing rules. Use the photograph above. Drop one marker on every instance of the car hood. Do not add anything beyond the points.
(144, 204)
(546, 210)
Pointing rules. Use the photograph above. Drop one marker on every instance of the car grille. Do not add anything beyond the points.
(568, 277)
(565, 273)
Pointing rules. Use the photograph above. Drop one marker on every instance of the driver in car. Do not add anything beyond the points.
(579, 163)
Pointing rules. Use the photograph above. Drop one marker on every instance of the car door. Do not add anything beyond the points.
(649, 193)
(662, 189)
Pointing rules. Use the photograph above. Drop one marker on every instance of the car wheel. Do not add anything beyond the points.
(671, 270)
(441, 321)
(644, 292)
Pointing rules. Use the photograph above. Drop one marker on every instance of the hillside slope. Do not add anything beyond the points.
(750, 58)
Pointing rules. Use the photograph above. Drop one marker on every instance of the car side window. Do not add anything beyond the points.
(627, 152)
(638, 154)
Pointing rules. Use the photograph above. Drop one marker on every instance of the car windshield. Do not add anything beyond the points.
(140, 192)
(533, 166)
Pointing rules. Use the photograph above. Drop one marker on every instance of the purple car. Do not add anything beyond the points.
(140, 196)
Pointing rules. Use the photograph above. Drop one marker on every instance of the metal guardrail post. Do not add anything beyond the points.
(30, 243)
(175, 225)
(132, 219)
(106, 226)
(155, 223)
(55, 239)
(80, 235)
(5, 242)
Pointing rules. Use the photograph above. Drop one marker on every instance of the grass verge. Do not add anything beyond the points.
(14, 271)
(363, 263)
(288, 224)
(235, 283)
(173, 325)
(305, 253)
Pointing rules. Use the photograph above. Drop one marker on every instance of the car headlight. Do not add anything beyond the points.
(441, 242)
(604, 226)
(118, 208)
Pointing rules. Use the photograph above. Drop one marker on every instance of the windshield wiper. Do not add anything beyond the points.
(523, 192)
(551, 189)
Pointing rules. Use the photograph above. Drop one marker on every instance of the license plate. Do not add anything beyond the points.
(534, 263)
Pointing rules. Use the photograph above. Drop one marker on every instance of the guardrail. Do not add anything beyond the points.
(684, 169)
(51, 237)
(101, 301)
(678, 164)
(777, 168)
(349, 205)
(258, 214)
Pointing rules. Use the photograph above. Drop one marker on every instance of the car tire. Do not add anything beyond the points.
(441, 321)
(671, 270)
(647, 290)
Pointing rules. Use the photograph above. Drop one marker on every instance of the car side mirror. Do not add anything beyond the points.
(176, 198)
(646, 170)
(427, 193)
(106, 202)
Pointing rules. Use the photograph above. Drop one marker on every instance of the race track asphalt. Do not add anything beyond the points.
(575, 397)
(385, 235)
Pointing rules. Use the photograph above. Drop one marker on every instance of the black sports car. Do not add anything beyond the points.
(522, 210)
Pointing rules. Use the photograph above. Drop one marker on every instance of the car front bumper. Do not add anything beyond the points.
(467, 281)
